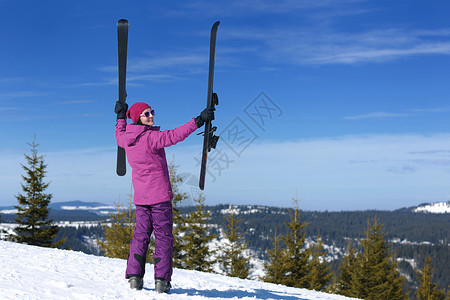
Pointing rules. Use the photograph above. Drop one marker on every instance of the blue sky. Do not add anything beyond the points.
(344, 102)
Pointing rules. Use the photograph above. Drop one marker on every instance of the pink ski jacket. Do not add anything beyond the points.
(144, 146)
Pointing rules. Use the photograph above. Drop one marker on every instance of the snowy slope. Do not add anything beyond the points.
(29, 272)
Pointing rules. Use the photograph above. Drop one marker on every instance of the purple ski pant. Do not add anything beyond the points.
(156, 218)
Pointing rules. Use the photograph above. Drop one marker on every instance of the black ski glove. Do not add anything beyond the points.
(121, 110)
(206, 115)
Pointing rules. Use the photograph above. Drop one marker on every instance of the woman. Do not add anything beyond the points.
(144, 146)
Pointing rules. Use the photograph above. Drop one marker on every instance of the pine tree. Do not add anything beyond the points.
(178, 196)
(376, 275)
(296, 258)
(233, 261)
(34, 227)
(197, 254)
(342, 283)
(275, 266)
(118, 236)
(428, 290)
(319, 275)
(293, 258)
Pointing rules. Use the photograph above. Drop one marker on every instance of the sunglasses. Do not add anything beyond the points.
(147, 113)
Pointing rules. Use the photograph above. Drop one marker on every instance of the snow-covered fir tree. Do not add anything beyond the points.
(376, 275)
(319, 270)
(233, 260)
(118, 236)
(427, 289)
(274, 266)
(197, 254)
(178, 197)
(342, 282)
(289, 265)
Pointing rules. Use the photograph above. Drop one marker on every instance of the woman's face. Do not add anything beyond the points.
(147, 120)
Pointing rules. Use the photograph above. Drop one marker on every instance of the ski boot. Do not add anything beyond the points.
(162, 285)
(136, 282)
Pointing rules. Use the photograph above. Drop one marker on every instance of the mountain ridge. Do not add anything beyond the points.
(102, 208)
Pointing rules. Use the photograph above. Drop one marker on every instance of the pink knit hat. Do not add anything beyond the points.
(135, 111)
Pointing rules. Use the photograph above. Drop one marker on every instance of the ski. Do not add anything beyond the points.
(122, 39)
(209, 140)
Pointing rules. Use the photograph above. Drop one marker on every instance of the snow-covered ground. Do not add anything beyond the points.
(29, 272)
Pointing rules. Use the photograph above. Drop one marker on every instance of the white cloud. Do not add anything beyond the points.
(431, 110)
(69, 102)
(12, 80)
(377, 115)
(263, 8)
(158, 61)
(410, 113)
(345, 54)
(83, 174)
(158, 67)
(22, 94)
(335, 173)
(324, 45)
(350, 172)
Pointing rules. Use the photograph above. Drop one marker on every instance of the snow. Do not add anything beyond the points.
(9, 211)
(78, 224)
(6, 229)
(30, 272)
(237, 210)
(100, 210)
(436, 208)
(410, 261)
(84, 207)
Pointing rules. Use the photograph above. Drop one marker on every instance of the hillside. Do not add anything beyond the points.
(414, 232)
(30, 272)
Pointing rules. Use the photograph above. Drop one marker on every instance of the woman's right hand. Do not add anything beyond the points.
(121, 110)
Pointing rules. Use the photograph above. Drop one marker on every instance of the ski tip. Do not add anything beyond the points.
(122, 21)
(216, 24)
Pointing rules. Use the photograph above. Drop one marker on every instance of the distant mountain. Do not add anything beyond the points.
(70, 207)
(68, 211)
(435, 208)
(105, 209)
(75, 204)
(8, 210)
(95, 207)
